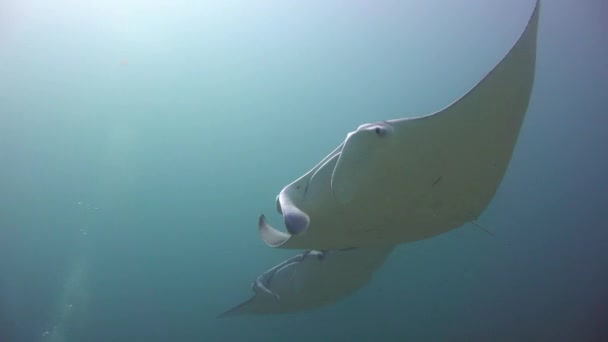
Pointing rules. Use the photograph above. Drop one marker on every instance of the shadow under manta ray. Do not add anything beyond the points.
(408, 179)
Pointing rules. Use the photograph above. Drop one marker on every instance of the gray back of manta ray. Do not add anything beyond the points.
(311, 280)
(408, 179)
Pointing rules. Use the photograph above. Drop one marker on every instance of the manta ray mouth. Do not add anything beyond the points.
(296, 221)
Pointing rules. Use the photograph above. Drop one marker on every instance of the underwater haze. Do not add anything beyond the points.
(141, 140)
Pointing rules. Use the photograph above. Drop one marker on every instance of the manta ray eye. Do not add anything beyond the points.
(380, 131)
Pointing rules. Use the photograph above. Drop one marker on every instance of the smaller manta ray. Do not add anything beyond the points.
(310, 280)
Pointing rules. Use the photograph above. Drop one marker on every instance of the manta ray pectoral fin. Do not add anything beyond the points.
(240, 309)
(270, 235)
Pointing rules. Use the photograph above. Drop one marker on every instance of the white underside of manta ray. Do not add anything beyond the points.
(408, 179)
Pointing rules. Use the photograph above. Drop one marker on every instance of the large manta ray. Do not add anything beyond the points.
(408, 179)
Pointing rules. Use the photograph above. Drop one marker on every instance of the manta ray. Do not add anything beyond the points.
(310, 280)
(408, 179)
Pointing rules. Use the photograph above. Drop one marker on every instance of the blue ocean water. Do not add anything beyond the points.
(141, 140)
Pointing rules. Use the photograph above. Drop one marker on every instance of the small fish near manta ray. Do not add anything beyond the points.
(394, 182)
(404, 180)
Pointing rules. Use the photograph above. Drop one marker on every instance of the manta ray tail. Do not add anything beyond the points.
(483, 228)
